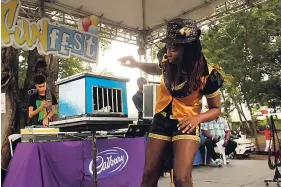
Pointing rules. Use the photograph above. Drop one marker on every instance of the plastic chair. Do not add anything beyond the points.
(221, 150)
(12, 138)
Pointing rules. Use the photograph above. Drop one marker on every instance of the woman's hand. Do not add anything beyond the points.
(187, 124)
(128, 61)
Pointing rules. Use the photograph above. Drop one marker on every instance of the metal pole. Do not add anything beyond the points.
(153, 76)
(140, 69)
(94, 155)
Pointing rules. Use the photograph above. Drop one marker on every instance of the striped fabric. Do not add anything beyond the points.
(216, 128)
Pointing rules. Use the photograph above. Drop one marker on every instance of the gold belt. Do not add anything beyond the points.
(170, 117)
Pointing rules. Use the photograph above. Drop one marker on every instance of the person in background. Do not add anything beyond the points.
(41, 107)
(214, 131)
(268, 138)
(138, 97)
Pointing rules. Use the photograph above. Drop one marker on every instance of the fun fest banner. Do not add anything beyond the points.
(49, 37)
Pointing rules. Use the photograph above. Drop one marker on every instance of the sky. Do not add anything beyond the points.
(109, 60)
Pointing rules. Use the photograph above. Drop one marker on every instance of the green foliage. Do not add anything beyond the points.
(22, 67)
(72, 66)
(105, 72)
(260, 124)
(155, 48)
(247, 47)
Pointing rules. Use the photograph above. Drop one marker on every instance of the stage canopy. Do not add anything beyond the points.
(135, 21)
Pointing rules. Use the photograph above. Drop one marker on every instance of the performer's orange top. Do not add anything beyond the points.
(191, 104)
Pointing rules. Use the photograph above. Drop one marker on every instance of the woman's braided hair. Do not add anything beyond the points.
(187, 68)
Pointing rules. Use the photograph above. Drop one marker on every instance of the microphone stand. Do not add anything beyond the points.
(275, 165)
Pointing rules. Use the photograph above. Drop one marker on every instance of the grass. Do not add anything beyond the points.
(261, 141)
(260, 124)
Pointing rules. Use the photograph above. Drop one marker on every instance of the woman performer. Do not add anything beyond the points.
(185, 78)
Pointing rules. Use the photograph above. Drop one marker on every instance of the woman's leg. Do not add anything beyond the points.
(184, 153)
(154, 161)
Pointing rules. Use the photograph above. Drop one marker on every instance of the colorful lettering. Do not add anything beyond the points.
(49, 38)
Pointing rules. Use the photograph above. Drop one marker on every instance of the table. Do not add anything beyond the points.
(67, 164)
(93, 124)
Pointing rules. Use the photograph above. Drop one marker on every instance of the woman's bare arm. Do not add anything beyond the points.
(214, 111)
(149, 68)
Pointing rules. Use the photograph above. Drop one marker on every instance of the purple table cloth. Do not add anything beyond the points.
(120, 163)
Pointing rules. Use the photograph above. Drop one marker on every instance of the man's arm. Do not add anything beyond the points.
(50, 115)
(226, 129)
(53, 110)
(32, 113)
(206, 134)
(260, 131)
(204, 130)
(32, 105)
(137, 103)
(227, 134)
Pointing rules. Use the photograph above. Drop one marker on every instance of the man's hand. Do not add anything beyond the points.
(216, 140)
(49, 103)
(44, 104)
(225, 143)
(128, 61)
(187, 124)
(46, 122)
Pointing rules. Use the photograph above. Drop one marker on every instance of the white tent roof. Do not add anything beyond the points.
(138, 14)
(133, 20)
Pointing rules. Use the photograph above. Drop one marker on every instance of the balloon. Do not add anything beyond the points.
(94, 20)
(86, 22)
(79, 24)
(93, 30)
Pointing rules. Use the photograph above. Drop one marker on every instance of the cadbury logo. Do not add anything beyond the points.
(110, 161)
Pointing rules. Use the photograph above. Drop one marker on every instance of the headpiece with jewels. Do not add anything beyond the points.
(180, 31)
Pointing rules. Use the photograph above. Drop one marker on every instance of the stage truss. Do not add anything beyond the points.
(115, 31)
(226, 9)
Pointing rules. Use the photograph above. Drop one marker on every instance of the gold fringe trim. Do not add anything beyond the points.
(163, 114)
(197, 131)
(159, 137)
(172, 117)
(180, 86)
(186, 137)
(212, 95)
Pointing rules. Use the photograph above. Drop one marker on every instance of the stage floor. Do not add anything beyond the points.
(239, 173)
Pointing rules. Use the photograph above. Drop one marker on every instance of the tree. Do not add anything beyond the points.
(105, 72)
(246, 46)
(72, 66)
(9, 83)
(17, 79)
